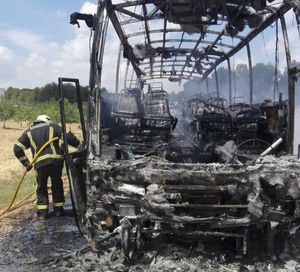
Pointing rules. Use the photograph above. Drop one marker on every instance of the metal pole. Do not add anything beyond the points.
(131, 78)
(276, 65)
(250, 74)
(291, 88)
(118, 69)
(207, 87)
(98, 97)
(164, 42)
(63, 117)
(101, 52)
(126, 73)
(230, 82)
(95, 47)
(217, 83)
(94, 80)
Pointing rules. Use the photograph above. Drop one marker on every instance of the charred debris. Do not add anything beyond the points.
(204, 172)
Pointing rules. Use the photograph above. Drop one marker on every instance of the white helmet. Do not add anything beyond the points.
(43, 118)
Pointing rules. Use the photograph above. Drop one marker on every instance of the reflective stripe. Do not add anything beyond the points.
(31, 141)
(35, 184)
(47, 156)
(20, 145)
(51, 132)
(58, 204)
(51, 135)
(42, 206)
(35, 181)
(24, 158)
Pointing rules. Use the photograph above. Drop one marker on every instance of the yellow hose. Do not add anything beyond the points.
(25, 172)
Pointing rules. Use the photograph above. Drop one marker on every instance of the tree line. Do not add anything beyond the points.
(28, 113)
(43, 94)
(26, 104)
(23, 104)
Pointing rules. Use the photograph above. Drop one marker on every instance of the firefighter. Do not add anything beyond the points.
(48, 164)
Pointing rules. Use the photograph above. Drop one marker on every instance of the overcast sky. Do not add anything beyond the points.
(37, 44)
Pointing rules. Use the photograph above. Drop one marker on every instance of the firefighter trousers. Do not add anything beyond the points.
(54, 171)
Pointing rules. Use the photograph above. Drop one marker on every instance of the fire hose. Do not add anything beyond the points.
(24, 174)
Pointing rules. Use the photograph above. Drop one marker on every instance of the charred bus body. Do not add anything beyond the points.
(140, 175)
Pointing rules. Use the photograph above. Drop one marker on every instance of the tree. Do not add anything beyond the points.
(7, 110)
(50, 108)
(24, 113)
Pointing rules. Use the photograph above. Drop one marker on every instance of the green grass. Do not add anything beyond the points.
(8, 188)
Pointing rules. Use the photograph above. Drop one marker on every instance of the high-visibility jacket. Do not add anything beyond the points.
(35, 137)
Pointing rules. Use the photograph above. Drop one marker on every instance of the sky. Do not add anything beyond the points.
(37, 43)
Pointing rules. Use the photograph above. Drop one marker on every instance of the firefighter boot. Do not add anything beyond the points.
(42, 214)
(58, 211)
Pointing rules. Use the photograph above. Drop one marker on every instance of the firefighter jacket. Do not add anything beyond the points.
(35, 137)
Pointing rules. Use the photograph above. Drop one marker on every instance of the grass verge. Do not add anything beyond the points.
(8, 188)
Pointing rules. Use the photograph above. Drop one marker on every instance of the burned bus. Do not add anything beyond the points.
(228, 173)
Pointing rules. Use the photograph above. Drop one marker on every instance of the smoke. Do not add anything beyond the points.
(263, 84)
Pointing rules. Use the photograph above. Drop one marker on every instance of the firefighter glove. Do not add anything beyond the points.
(28, 166)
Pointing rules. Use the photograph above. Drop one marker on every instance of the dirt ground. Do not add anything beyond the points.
(55, 244)
(9, 165)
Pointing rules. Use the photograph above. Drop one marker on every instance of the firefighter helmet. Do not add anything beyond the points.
(43, 118)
